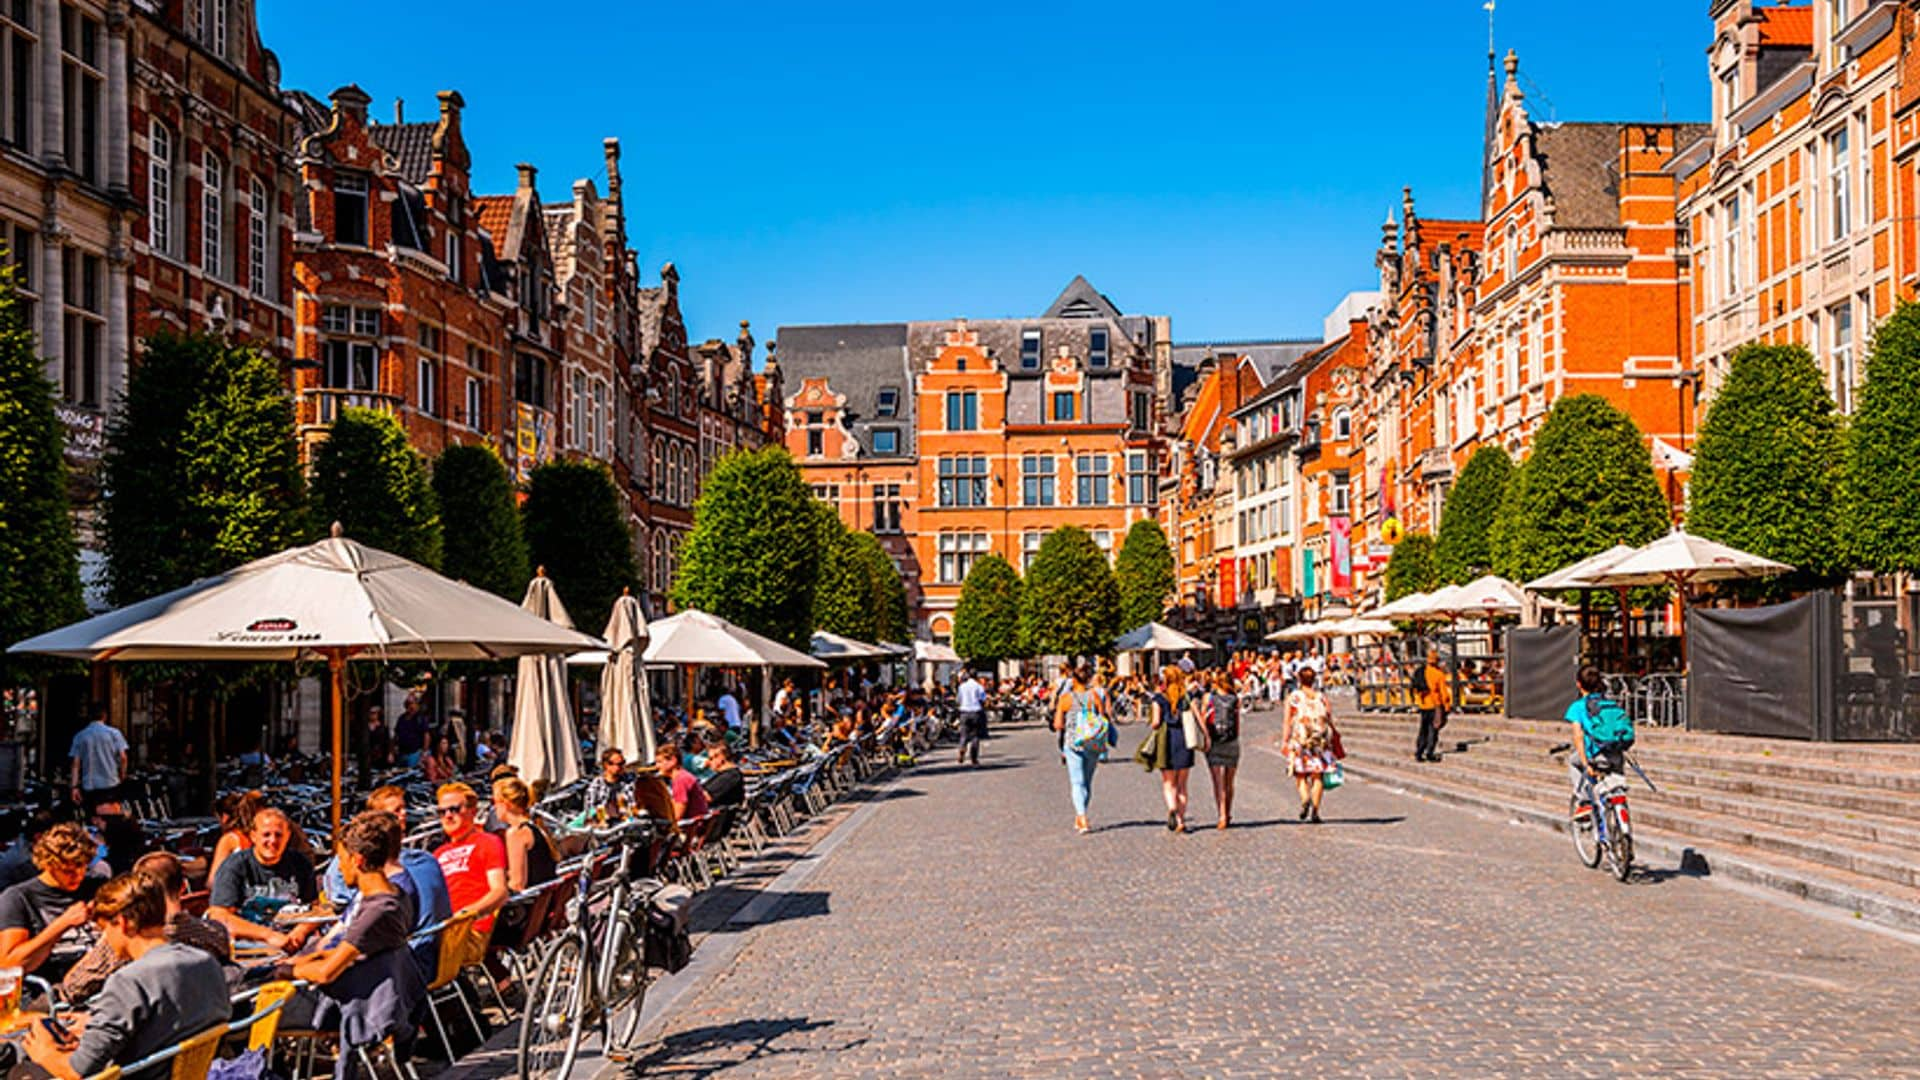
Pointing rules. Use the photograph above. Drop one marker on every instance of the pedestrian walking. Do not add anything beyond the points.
(1085, 725)
(1309, 741)
(1223, 746)
(1432, 695)
(973, 718)
(1166, 748)
(99, 755)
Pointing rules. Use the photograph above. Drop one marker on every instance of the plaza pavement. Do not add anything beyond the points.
(961, 929)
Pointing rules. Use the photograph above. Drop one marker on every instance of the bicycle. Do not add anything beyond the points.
(1597, 817)
(595, 975)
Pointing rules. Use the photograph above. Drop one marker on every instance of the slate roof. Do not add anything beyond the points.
(1583, 173)
(1080, 300)
(857, 360)
(1269, 357)
(410, 144)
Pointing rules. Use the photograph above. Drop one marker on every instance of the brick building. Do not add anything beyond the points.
(1332, 543)
(589, 375)
(400, 306)
(734, 402)
(1192, 481)
(672, 430)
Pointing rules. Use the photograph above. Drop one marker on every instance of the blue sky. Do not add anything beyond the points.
(1228, 164)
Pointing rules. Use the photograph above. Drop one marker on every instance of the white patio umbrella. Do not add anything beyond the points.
(626, 716)
(932, 652)
(1439, 604)
(1485, 597)
(333, 601)
(1155, 637)
(1578, 575)
(694, 639)
(1359, 627)
(1402, 608)
(837, 647)
(544, 745)
(1305, 631)
(1681, 559)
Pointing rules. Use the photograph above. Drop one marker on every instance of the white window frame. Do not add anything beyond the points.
(160, 231)
(213, 200)
(1839, 201)
(259, 238)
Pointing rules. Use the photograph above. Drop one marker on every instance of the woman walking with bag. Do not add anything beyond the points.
(1166, 748)
(1309, 742)
(1085, 725)
(1223, 745)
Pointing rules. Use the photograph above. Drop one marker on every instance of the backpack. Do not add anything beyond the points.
(1608, 728)
(1420, 677)
(1223, 722)
(1087, 729)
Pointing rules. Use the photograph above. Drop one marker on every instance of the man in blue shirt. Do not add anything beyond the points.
(973, 718)
(425, 886)
(730, 708)
(99, 755)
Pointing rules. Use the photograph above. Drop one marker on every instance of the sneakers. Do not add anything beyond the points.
(1080, 826)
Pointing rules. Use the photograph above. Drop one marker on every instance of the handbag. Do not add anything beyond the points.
(1194, 731)
(1333, 778)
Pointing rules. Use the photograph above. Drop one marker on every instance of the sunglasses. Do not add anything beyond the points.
(451, 811)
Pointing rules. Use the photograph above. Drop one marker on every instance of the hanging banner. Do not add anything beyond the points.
(1229, 591)
(533, 440)
(1340, 554)
(1308, 579)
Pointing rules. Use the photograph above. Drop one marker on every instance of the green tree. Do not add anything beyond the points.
(1411, 568)
(753, 556)
(1144, 570)
(1881, 478)
(39, 561)
(1766, 469)
(986, 624)
(890, 621)
(1071, 603)
(1587, 486)
(480, 522)
(844, 599)
(202, 471)
(1461, 551)
(576, 526)
(369, 480)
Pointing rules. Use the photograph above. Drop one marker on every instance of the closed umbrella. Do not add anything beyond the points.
(544, 744)
(626, 716)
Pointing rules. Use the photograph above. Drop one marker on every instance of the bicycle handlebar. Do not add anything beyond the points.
(1563, 748)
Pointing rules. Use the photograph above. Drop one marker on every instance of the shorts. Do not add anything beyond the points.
(1224, 755)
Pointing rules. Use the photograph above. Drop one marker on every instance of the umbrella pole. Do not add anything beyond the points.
(337, 677)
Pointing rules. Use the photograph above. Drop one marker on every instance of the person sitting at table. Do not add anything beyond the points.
(438, 765)
(16, 864)
(235, 812)
(254, 884)
(43, 920)
(87, 977)
(369, 983)
(473, 860)
(167, 992)
(725, 786)
(532, 859)
(609, 790)
(689, 798)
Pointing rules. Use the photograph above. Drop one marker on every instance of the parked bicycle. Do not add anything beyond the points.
(595, 975)
(1597, 816)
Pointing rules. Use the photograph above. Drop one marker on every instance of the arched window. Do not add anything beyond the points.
(160, 188)
(1342, 424)
(258, 238)
(213, 185)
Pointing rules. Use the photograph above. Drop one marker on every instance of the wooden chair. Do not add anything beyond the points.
(191, 1060)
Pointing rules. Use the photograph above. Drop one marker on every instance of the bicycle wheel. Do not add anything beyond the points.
(1580, 827)
(627, 996)
(555, 1020)
(1619, 846)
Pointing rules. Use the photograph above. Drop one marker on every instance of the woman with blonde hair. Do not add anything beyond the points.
(1170, 753)
(531, 858)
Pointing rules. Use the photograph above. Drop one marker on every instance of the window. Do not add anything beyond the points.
(1092, 484)
(1029, 547)
(1097, 347)
(816, 435)
(257, 240)
(577, 412)
(1103, 539)
(886, 508)
(1836, 21)
(658, 475)
(1512, 249)
(1536, 349)
(1840, 324)
(82, 371)
(477, 358)
(160, 188)
(886, 441)
(1839, 186)
(957, 553)
(1029, 350)
(1342, 492)
(888, 403)
(476, 409)
(1139, 478)
(530, 380)
(82, 89)
(1036, 480)
(214, 32)
(18, 74)
(1342, 424)
(1729, 96)
(212, 215)
(1730, 247)
(429, 380)
(349, 361)
(963, 481)
(21, 254)
(826, 493)
(1142, 411)
(350, 209)
(1063, 405)
(963, 410)
(597, 423)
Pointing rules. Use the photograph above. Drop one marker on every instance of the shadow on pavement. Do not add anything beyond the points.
(801, 905)
(946, 767)
(731, 1045)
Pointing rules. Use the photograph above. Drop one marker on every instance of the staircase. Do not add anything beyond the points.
(1837, 823)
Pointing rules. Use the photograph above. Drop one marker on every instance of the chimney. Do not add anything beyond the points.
(612, 147)
(527, 173)
(446, 131)
(580, 198)
(745, 342)
(399, 110)
(350, 101)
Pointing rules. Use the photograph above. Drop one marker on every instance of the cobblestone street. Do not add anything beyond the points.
(965, 930)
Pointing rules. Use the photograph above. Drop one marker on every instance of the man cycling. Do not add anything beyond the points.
(1589, 714)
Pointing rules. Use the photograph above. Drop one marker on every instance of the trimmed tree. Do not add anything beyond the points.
(369, 480)
(890, 621)
(1411, 569)
(39, 560)
(1461, 551)
(753, 556)
(986, 624)
(1587, 486)
(844, 600)
(1766, 469)
(480, 522)
(1881, 478)
(1071, 603)
(1144, 570)
(576, 527)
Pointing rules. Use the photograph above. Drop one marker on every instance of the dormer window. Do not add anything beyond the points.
(1030, 350)
(888, 403)
(1097, 347)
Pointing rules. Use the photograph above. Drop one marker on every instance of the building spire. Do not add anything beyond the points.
(1493, 107)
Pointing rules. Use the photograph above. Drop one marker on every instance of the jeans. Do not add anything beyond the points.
(1080, 767)
(973, 728)
(1428, 743)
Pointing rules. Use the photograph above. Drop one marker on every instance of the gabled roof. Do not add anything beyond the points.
(1785, 27)
(1581, 164)
(494, 214)
(1080, 300)
(410, 144)
(858, 360)
(1270, 358)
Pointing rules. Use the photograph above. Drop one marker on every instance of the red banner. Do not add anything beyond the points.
(1340, 554)
(1229, 591)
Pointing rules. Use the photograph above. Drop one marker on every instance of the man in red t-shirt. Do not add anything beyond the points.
(473, 861)
(689, 798)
